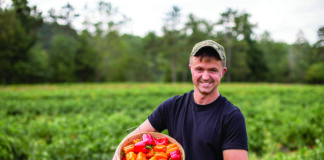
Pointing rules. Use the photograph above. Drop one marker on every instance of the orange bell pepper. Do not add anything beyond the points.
(160, 148)
(129, 148)
(171, 148)
(152, 158)
(136, 140)
(171, 145)
(160, 155)
(150, 153)
(141, 156)
(131, 156)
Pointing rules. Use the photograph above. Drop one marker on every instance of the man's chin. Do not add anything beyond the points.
(205, 92)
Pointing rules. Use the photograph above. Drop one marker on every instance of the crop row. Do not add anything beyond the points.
(87, 121)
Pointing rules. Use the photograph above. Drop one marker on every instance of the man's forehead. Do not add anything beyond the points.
(206, 62)
(204, 58)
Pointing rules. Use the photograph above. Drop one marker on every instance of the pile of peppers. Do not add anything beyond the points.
(150, 148)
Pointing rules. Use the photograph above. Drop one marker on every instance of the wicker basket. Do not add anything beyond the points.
(155, 135)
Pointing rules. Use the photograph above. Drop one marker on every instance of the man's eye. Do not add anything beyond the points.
(213, 70)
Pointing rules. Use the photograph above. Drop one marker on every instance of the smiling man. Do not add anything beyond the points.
(205, 123)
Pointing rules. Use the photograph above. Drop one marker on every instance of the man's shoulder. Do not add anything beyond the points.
(229, 107)
(177, 99)
(186, 95)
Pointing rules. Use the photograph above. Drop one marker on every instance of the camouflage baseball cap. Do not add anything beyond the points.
(210, 43)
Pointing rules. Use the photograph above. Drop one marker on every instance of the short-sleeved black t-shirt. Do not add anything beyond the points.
(204, 131)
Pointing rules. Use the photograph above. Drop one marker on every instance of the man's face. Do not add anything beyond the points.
(206, 74)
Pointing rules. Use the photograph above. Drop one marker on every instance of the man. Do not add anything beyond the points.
(204, 122)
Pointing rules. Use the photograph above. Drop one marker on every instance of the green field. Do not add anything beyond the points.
(87, 121)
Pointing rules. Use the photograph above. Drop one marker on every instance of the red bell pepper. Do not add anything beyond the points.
(141, 147)
(175, 155)
(148, 139)
(161, 141)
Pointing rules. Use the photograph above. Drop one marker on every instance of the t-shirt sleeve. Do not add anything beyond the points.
(235, 135)
(159, 117)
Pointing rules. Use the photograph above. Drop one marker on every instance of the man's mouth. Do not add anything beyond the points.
(206, 84)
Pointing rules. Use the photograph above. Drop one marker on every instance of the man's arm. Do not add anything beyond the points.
(235, 154)
(144, 127)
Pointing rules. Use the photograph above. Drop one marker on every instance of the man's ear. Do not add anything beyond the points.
(224, 70)
(189, 66)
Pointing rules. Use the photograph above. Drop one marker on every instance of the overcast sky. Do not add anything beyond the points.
(282, 18)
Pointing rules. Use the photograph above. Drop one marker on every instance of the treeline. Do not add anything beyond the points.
(39, 49)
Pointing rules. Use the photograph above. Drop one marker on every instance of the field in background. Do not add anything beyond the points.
(87, 121)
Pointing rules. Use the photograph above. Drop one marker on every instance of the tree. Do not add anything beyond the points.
(86, 59)
(62, 58)
(300, 58)
(243, 59)
(172, 41)
(319, 46)
(255, 56)
(276, 58)
(227, 20)
(17, 36)
(314, 73)
(152, 49)
(66, 15)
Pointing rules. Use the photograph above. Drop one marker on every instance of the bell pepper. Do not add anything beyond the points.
(171, 148)
(175, 155)
(152, 158)
(129, 148)
(159, 148)
(161, 141)
(148, 139)
(171, 145)
(160, 155)
(141, 147)
(136, 140)
(130, 156)
(150, 153)
(141, 156)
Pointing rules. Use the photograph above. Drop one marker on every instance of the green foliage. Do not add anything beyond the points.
(61, 58)
(35, 52)
(17, 37)
(85, 59)
(276, 54)
(256, 63)
(88, 121)
(315, 73)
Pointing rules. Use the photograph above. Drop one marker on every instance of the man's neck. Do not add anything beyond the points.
(203, 99)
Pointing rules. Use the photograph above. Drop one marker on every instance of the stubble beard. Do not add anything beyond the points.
(201, 91)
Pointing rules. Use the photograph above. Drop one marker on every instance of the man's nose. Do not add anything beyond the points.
(205, 76)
